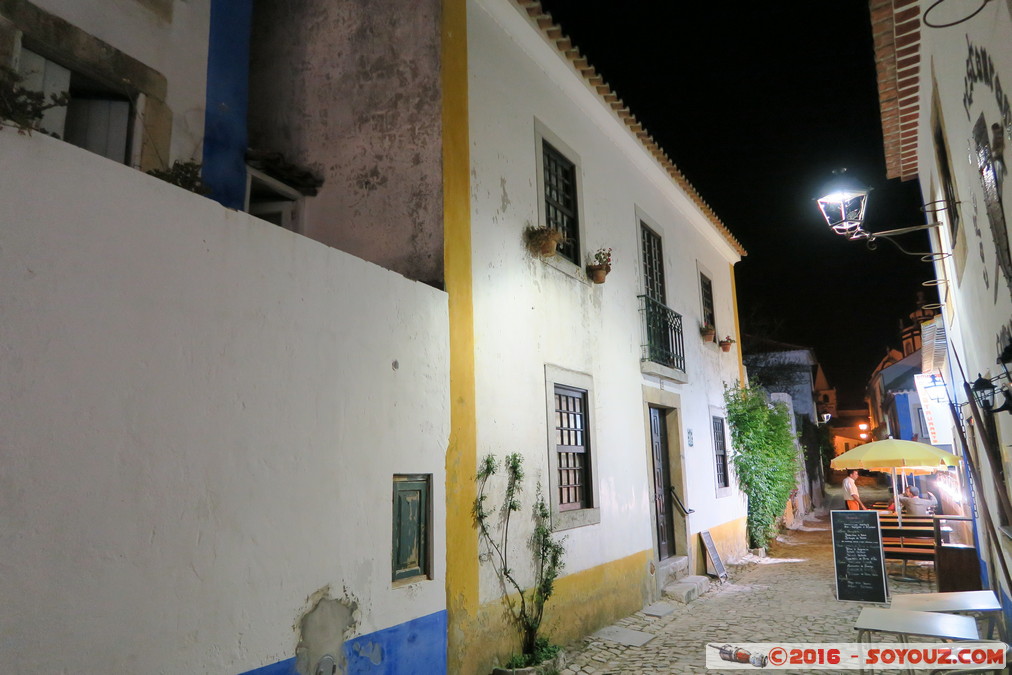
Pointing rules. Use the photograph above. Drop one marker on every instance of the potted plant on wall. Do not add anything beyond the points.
(707, 332)
(543, 241)
(599, 269)
(726, 343)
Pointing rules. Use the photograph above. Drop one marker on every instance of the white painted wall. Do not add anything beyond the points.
(200, 417)
(529, 313)
(976, 294)
(176, 49)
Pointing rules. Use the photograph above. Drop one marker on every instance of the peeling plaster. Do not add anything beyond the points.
(323, 629)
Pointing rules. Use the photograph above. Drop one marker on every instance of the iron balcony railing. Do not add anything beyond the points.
(665, 342)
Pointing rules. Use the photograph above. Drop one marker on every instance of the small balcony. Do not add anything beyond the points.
(664, 339)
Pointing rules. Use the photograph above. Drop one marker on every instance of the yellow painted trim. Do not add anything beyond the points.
(582, 603)
(461, 453)
(730, 540)
(737, 324)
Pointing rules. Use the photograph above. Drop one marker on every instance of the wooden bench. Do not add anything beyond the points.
(921, 542)
(914, 531)
(909, 551)
(905, 553)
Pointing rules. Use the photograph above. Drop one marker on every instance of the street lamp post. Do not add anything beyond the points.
(844, 206)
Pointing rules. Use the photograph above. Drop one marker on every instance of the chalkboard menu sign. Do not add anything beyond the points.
(857, 553)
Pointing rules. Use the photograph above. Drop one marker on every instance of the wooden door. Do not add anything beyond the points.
(662, 484)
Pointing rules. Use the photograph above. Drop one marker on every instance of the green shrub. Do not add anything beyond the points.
(24, 108)
(182, 174)
(764, 456)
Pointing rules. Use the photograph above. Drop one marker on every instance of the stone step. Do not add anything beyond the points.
(679, 566)
(687, 589)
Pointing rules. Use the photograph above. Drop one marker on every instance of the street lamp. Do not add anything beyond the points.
(984, 390)
(844, 206)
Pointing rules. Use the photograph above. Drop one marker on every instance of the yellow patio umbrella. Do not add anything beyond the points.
(892, 454)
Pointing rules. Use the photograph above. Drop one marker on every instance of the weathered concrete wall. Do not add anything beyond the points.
(352, 90)
(200, 418)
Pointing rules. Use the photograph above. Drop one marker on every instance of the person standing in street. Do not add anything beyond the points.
(850, 492)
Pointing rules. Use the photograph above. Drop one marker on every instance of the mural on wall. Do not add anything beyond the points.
(990, 167)
(987, 148)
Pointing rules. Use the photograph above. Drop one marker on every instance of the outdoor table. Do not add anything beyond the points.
(958, 601)
(910, 623)
(906, 623)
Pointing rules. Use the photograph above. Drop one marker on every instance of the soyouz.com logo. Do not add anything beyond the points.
(853, 655)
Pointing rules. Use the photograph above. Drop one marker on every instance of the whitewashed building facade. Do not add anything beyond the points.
(944, 74)
(235, 447)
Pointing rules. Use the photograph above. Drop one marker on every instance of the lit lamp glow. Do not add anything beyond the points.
(844, 210)
(844, 207)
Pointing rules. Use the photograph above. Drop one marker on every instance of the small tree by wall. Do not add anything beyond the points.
(764, 457)
(526, 608)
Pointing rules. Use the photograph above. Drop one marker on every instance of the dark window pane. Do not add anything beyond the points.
(706, 289)
(571, 448)
(653, 264)
(720, 453)
(560, 201)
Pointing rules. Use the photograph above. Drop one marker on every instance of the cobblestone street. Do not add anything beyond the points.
(785, 597)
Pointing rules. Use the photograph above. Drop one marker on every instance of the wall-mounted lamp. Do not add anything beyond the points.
(984, 391)
(844, 206)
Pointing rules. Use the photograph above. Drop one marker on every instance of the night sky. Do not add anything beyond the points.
(757, 104)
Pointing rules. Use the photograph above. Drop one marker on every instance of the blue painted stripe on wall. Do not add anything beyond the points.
(227, 99)
(286, 667)
(416, 647)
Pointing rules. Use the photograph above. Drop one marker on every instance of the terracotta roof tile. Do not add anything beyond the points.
(553, 33)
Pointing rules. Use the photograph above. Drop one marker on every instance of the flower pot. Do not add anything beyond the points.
(543, 241)
(548, 247)
(597, 273)
(708, 334)
(725, 346)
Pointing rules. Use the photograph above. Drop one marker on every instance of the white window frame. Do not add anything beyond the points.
(543, 134)
(288, 205)
(720, 490)
(572, 518)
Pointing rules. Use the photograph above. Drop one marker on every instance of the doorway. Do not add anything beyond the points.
(662, 484)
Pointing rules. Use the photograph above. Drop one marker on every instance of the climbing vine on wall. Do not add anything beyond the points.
(764, 456)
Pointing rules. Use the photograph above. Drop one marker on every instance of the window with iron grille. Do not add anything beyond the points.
(653, 264)
(720, 453)
(571, 446)
(561, 211)
(664, 340)
(706, 291)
